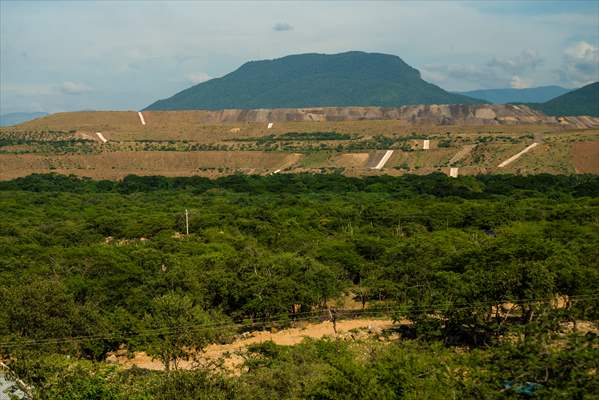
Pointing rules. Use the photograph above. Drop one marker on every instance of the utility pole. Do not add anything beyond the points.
(186, 222)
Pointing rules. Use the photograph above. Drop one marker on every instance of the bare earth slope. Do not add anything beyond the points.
(444, 114)
(423, 139)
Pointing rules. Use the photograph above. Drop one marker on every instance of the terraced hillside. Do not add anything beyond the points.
(354, 141)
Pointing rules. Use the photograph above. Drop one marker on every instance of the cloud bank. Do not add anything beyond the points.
(580, 65)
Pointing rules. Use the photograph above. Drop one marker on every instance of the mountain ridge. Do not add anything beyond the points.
(538, 94)
(582, 101)
(347, 79)
(16, 118)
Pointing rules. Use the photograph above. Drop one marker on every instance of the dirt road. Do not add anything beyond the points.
(285, 337)
(384, 160)
(517, 156)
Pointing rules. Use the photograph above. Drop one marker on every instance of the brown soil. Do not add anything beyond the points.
(168, 144)
(168, 163)
(463, 152)
(434, 159)
(350, 160)
(418, 114)
(585, 156)
(231, 353)
(490, 155)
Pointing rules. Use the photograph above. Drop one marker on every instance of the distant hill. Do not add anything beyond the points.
(19, 117)
(583, 101)
(315, 80)
(530, 95)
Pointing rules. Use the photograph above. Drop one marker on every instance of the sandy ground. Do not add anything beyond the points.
(231, 353)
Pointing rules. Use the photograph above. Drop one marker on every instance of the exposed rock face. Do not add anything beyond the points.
(422, 114)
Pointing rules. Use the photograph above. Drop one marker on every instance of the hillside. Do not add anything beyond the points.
(508, 95)
(583, 101)
(477, 139)
(315, 80)
(19, 117)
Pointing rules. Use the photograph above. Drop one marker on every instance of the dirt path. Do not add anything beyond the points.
(384, 160)
(286, 337)
(290, 161)
(141, 118)
(517, 156)
(463, 152)
(101, 137)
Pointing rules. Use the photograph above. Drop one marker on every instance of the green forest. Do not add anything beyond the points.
(497, 276)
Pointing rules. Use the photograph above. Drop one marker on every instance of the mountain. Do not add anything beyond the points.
(19, 117)
(583, 101)
(530, 95)
(315, 80)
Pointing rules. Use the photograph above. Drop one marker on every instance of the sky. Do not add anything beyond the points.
(85, 55)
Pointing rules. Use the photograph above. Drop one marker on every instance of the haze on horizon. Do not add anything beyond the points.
(68, 56)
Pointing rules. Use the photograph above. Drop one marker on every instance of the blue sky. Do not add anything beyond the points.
(65, 56)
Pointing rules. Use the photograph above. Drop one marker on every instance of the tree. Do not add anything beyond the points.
(177, 329)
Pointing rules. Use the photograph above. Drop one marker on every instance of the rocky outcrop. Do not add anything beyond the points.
(495, 114)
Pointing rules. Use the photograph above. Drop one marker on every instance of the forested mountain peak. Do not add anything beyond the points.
(352, 78)
(583, 101)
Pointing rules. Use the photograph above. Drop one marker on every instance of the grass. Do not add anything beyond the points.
(315, 160)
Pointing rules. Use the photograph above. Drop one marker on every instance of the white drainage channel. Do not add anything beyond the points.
(384, 160)
(517, 156)
(141, 118)
(426, 145)
(101, 137)
(453, 172)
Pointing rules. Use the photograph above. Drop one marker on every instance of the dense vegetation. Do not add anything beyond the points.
(315, 80)
(488, 270)
(62, 142)
(583, 101)
(307, 136)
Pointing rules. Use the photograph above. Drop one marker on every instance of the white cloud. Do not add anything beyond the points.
(580, 65)
(73, 88)
(198, 77)
(582, 50)
(519, 83)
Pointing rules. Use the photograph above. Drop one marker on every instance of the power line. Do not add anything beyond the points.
(306, 317)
